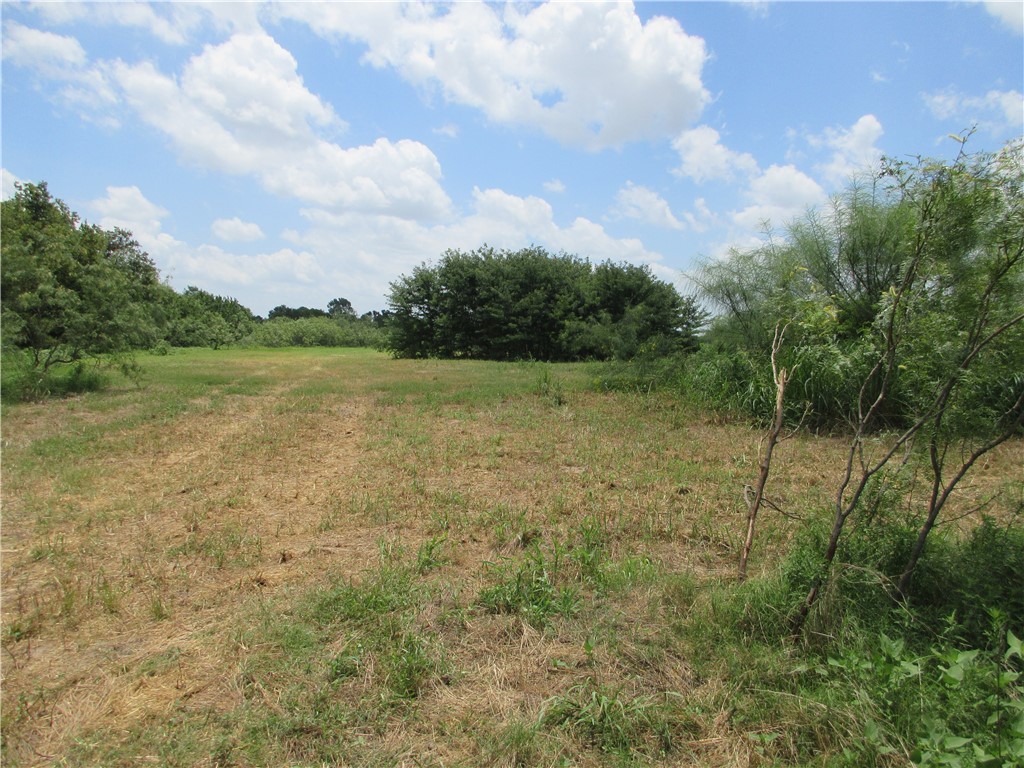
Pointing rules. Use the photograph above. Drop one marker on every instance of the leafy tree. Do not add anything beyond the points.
(70, 291)
(906, 315)
(294, 313)
(529, 304)
(341, 308)
(203, 319)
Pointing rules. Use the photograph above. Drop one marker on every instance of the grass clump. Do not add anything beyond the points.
(530, 587)
(612, 721)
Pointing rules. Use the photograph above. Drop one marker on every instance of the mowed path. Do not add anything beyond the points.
(130, 539)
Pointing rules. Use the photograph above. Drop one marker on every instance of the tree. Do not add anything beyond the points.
(294, 313)
(528, 304)
(69, 289)
(905, 310)
(341, 308)
(203, 319)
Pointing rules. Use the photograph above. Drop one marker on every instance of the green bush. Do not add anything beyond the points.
(23, 382)
(313, 332)
(968, 579)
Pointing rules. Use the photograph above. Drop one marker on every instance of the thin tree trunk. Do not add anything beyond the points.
(754, 505)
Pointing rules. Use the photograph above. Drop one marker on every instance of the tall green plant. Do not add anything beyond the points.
(948, 338)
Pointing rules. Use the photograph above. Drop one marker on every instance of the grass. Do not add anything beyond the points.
(306, 557)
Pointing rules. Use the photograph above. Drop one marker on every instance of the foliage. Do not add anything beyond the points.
(296, 313)
(201, 319)
(314, 332)
(611, 720)
(528, 304)
(77, 298)
(530, 588)
(921, 263)
(71, 291)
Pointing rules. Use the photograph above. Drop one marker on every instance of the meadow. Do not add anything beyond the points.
(331, 557)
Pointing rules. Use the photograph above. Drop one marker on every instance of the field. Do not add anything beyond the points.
(303, 557)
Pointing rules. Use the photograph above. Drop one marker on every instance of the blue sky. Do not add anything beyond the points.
(291, 153)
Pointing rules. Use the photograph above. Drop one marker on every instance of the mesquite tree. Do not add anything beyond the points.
(904, 303)
(948, 338)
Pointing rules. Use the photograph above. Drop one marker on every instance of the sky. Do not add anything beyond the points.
(292, 153)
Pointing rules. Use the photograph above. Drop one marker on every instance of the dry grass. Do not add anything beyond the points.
(156, 543)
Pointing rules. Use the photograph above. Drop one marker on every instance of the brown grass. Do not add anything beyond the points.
(131, 568)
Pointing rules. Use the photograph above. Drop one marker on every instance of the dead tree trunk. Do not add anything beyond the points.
(780, 375)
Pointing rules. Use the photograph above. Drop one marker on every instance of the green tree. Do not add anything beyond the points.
(202, 319)
(341, 308)
(70, 290)
(912, 300)
(528, 304)
(294, 313)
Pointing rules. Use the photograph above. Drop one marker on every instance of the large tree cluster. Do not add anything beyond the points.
(529, 304)
(72, 290)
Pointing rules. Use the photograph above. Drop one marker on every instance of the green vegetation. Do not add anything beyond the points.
(529, 305)
(79, 302)
(312, 556)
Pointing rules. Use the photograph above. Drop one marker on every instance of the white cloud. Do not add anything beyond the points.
(48, 53)
(645, 205)
(705, 158)
(1009, 12)
(50, 56)
(273, 275)
(171, 23)
(448, 130)
(555, 186)
(241, 108)
(589, 75)
(995, 112)
(128, 208)
(365, 253)
(777, 196)
(235, 230)
(9, 180)
(701, 217)
(853, 149)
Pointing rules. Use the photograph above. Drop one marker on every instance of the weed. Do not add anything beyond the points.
(528, 588)
(612, 721)
(410, 663)
(431, 555)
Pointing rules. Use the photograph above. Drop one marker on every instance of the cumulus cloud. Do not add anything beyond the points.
(701, 217)
(241, 107)
(365, 252)
(204, 265)
(128, 208)
(705, 158)
(995, 112)
(645, 205)
(1009, 13)
(82, 88)
(48, 53)
(171, 23)
(590, 75)
(555, 186)
(235, 230)
(853, 149)
(777, 196)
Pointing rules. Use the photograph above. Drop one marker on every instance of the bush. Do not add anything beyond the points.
(23, 382)
(314, 332)
(958, 582)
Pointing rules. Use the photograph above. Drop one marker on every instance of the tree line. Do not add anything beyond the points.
(74, 293)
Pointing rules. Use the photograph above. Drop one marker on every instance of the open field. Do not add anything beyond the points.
(309, 557)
